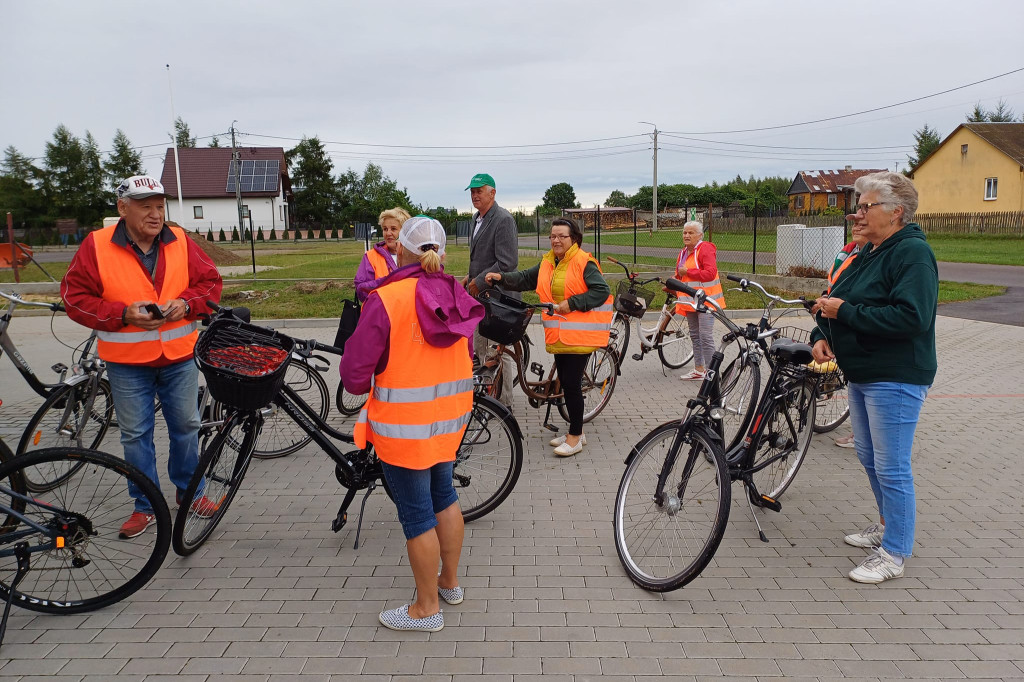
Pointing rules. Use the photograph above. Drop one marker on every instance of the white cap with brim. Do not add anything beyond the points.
(140, 187)
(421, 232)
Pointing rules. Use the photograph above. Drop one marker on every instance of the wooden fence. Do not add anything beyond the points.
(972, 223)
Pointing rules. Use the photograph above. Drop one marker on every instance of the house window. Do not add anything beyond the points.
(833, 200)
(963, 150)
(245, 210)
(197, 212)
(991, 186)
(798, 202)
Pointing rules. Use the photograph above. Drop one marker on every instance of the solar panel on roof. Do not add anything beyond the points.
(257, 175)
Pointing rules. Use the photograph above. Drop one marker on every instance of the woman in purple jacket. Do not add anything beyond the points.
(379, 261)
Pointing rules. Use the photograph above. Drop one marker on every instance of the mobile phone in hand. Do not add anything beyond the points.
(155, 311)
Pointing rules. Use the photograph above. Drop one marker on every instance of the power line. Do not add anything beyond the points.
(769, 146)
(508, 155)
(416, 146)
(369, 156)
(857, 113)
(740, 154)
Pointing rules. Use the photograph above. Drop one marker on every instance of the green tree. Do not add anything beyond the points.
(617, 198)
(64, 180)
(978, 114)
(1001, 114)
(926, 141)
(17, 165)
(364, 198)
(123, 161)
(316, 197)
(98, 197)
(182, 135)
(560, 195)
(214, 142)
(273, 236)
(19, 191)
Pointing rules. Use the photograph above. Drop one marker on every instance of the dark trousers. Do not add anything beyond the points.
(570, 373)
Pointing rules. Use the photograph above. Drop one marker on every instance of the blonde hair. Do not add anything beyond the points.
(430, 261)
(399, 214)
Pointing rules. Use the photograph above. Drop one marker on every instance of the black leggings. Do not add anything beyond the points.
(570, 373)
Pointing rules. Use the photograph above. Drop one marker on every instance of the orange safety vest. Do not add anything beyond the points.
(381, 267)
(125, 281)
(420, 404)
(833, 276)
(578, 328)
(713, 289)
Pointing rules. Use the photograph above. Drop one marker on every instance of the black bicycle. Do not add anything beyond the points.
(243, 365)
(61, 549)
(672, 505)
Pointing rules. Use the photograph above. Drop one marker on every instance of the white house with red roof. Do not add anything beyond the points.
(208, 188)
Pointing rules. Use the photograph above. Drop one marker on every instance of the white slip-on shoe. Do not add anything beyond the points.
(566, 450)
(558, 440)
(869, 538)
(877, 568)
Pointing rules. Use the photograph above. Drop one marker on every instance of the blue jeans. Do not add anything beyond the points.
(884, 417)
(134, 389)
(420, 495)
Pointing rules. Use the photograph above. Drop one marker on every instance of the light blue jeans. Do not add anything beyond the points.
(135, 387)
(884, 417)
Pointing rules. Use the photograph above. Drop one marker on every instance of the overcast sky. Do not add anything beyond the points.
(509, 75)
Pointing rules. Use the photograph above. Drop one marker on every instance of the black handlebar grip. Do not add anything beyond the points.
(734, 278)
(676, 285)
(243, 314)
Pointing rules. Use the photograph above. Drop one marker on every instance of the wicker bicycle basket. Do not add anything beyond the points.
(244, 365)
(633, 300)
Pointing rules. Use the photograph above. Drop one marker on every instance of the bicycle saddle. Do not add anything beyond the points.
(791, 351)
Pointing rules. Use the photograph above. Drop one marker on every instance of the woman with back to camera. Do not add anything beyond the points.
(570, 278)
(878, 324)
(697, 266)
(414, 341)
(379, 261)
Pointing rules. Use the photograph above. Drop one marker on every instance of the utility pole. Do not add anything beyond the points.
(177, 164)
(654, 227)
(236, 156)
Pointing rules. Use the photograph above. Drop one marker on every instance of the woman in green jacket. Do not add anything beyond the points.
(878, 323)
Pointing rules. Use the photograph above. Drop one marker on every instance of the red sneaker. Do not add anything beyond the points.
(202, 507)
(136, 524)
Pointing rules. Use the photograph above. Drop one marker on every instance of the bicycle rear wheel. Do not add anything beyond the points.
(674, 346)
(741, 383)
(598, 384)
(61, 422)
(787, 432)
(489, 459)
(95, 567)
(665, 544)
(618, 340)
(833, 403)
(217, 479)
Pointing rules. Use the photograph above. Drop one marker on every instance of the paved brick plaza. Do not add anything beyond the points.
(275, 595)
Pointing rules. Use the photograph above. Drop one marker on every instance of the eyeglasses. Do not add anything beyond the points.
(560, 236)
(863, 208)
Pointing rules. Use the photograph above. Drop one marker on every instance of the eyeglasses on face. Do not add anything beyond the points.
(560, 236)
(863, 208)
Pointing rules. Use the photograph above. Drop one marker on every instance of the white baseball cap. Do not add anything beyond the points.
(140, 187)
(420, 233)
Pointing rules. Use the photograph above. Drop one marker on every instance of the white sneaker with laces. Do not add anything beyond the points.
(877, 568)
(558, 440)
(869, 538)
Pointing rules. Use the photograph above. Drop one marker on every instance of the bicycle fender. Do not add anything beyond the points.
(633, 452)
(76, 379)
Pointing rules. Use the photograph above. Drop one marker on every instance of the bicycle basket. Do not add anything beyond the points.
(244, 365)
(633, 303)
(505, 318)
(794, 333)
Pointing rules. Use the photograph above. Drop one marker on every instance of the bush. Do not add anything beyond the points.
(334, 233)
(234, 234)
(309, 234)
(222, 237)
(806, 271)
(298, 235)
(209, 235)
(259, 235)
(273, 236)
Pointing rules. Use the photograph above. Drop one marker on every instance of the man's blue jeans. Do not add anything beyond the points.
(884, 417)
(135, 387)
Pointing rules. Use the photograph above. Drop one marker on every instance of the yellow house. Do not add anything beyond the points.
(979, 168)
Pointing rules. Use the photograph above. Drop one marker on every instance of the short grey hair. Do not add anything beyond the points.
(895, 189)
(695, 224)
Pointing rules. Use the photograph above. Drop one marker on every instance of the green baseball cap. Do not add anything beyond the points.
(481, 179)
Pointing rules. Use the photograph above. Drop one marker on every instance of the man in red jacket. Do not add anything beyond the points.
(140, 284)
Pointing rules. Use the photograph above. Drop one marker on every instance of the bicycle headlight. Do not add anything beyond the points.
(717, 413)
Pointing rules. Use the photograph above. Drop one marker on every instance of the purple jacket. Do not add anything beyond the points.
(446, 314)
(366, 279)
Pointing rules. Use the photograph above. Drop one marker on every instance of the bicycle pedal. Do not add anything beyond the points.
(551, 427)
(59, 367)
(770, 503)
(637, 356)
(339, 522)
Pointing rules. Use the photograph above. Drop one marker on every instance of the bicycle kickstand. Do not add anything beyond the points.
(362, 508)
(21, 554)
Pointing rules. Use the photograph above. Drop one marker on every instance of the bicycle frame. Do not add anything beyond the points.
(649, 336)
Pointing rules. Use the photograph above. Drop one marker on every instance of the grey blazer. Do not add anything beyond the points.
(495, 248)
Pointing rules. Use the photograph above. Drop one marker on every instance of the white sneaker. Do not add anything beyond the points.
(558, 440)
(566, 450)
(869, 538)
(877, 568)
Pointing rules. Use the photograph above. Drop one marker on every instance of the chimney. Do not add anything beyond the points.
(849, 168)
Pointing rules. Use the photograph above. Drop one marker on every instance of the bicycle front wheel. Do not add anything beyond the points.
(674, 346)
(833, 403)
(280, 435)
(787, 437)
(598, 384)
(61, 421)
(741, 383)
(216, 481)
(347, 403)
(618, 340)
(665, 541)
(489, 459)
(91, 566)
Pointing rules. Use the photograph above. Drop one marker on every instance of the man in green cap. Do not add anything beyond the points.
(493, 245)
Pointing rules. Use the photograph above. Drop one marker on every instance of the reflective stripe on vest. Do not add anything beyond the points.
(833, 276)
(381, 267)
(124, 280)
(578, 328)
(713, 288)
(421, 403)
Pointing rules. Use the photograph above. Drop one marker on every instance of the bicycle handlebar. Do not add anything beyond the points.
(18, 300)
(241, 313)
(745, 283)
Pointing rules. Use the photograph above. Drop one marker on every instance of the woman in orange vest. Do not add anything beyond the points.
(570, 278)
(698, 267)
(844, 259)
(379, 261)
(413, 341)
